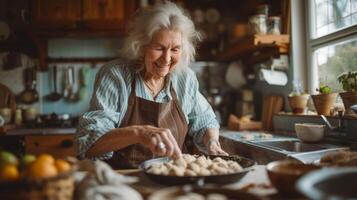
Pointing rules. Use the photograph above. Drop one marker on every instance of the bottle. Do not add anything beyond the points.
(274, 25)
(18, 117)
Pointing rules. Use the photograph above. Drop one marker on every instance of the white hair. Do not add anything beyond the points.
(164, 15)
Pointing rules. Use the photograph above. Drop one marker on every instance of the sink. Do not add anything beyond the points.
(265, 151)
(295, 146)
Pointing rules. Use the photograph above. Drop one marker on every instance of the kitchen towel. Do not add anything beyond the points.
(101, 182)
(273, 77)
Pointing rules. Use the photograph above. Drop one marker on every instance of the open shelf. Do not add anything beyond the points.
(256, 48)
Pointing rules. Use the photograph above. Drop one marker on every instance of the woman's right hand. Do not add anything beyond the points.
(159, 140)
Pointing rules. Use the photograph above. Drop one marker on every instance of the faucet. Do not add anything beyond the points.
(340, 125)
(336, 130)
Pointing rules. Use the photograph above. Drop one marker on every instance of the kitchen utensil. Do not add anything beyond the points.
(54, 96)
(246, 163)
(30, 94)
(309, 132)
(84, 80)
(75, 94)
(210, 193)
(68, 84)
(283, 174)
(330, 183)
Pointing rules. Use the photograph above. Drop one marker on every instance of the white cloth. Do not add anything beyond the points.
(101, 182)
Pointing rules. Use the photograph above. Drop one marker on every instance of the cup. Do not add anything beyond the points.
(30, 114)
(6, 113)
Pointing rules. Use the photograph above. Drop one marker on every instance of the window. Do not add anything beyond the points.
(332, 40)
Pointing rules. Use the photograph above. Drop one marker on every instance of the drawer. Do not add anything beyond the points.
(59, 146)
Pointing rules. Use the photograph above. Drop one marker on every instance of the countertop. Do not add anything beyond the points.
(256, 182)
(23, 131)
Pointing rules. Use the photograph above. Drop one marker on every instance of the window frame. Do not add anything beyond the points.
(312, 44)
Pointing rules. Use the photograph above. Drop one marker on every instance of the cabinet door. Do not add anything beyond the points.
(56, 13)
(59, 146)
(104, 14)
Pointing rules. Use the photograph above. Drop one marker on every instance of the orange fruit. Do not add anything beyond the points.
(41, 168)
(62, 165)
(46, 158)
(9, 173)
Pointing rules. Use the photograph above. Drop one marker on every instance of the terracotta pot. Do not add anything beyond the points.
(324, 102)
(349, 99)
(298, 103)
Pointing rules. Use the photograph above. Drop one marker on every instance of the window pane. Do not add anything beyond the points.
(333, 60)
(333, 15)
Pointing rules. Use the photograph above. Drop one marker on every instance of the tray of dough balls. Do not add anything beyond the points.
(197, 168)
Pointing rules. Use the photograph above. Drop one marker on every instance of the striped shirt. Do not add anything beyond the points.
(109, 103)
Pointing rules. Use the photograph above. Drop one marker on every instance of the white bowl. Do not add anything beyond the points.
(309, 132)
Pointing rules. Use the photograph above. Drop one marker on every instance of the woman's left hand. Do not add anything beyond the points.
(214, 148)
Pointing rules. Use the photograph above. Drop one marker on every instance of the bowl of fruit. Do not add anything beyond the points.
(35, 177)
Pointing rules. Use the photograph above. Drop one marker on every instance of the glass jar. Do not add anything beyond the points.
(258, 24)
(274, 25)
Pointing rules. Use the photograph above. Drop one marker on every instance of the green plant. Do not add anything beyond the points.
(324, 89)
(348, 81)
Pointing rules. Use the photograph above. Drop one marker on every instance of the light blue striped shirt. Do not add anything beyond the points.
(110, 101)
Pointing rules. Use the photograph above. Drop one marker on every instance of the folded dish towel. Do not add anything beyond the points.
(101, 182)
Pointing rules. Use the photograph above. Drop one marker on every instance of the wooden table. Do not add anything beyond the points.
(256, 181)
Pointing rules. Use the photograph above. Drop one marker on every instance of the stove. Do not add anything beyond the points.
(52, 120)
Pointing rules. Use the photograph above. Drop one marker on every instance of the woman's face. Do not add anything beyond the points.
(163, 53)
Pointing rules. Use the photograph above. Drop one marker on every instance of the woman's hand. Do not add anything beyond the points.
(214, 148)
(160, 141)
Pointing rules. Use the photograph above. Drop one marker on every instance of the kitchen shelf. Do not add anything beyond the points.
(80, 60)
(256, 48)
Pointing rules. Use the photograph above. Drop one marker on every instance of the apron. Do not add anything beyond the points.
(145, 112)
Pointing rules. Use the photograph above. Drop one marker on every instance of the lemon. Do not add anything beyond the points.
(7, 158)
(28, 159)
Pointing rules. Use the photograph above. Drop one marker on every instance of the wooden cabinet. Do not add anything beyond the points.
(81, 15)
(103, 14)
(59, 146)
(55, 13)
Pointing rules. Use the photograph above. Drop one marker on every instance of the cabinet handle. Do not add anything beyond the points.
(67, 143)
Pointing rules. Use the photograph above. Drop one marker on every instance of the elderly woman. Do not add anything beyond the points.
(148, 103)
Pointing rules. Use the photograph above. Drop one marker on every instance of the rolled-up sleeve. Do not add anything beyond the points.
(104, 114)
(201, 116)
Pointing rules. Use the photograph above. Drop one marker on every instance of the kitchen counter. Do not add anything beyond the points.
(40, 131)
(256, 182)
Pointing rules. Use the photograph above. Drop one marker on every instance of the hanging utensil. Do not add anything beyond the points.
(83, 79)
(67, 91)
(54, 96)
(74, 97)
(30, 94)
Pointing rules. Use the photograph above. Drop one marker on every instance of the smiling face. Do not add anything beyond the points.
(163, 53)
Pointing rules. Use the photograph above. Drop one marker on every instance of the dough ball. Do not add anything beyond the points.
(188, 158)
(181, 162)
(216, 196)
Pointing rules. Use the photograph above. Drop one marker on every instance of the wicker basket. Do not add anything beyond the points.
(60, 187)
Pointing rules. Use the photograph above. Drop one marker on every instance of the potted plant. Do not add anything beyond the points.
(324, 100)
(349, 84)
(297, 98)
